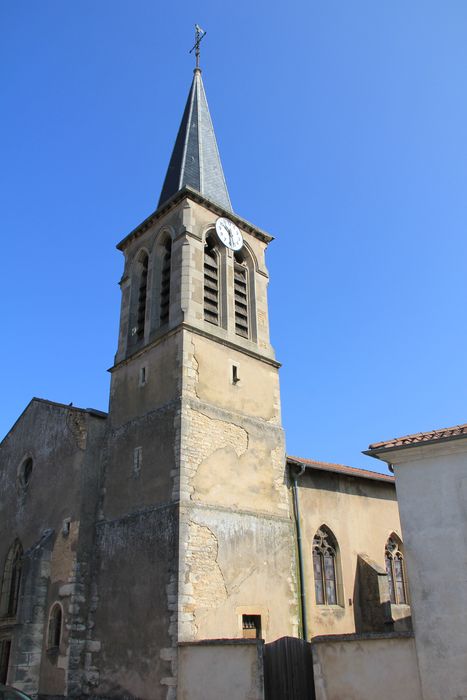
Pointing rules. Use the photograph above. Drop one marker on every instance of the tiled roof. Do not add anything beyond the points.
(417, 438)
(340, 469)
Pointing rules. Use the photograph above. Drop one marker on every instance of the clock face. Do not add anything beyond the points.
(229, 233)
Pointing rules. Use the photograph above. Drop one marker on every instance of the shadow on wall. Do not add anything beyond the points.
(372, 607)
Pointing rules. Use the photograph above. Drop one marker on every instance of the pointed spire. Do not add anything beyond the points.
(195, 158)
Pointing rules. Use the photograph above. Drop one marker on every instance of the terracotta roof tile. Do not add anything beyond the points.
(416, 438)
(341, 469)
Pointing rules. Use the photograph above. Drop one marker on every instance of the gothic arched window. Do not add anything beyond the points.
(325, 567)
(143, 262)
(241, 293)
(11, 580)
(395, 569)
(54, 633)
(166, 258)
(211, 281)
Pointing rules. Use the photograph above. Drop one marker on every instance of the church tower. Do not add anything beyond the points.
(195, 535)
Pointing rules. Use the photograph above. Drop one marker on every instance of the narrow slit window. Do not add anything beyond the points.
(142, 296)
(241, 297)
(251, 626)
(235, 377)
(5, 648)
(55, 628)
(211, 283)
(165, 282)
(137, 460)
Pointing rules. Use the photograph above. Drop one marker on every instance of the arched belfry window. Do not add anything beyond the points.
(211, 281)
(54, 633)
(11, 580)
(395, 569)
(166, 259)
(325, 567)
(143, 263)
(241, 295)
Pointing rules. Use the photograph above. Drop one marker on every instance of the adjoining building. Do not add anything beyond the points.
(175, 518)
(431, 477)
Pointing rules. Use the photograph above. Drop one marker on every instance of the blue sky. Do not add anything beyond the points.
(342, 131)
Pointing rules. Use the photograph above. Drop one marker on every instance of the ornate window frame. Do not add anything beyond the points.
(325, 555)
(395, 570)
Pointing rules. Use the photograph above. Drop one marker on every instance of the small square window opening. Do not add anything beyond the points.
(251, 625)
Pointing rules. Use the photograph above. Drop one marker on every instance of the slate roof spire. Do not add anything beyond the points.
(195, 159)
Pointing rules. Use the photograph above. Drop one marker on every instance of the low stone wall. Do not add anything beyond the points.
(216, 669)
(365, 667)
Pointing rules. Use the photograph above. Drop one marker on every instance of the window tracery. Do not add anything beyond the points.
(395, 569)
(324, 567)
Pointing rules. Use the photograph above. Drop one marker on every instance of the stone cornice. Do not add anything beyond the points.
(193, 195)
(199, 331)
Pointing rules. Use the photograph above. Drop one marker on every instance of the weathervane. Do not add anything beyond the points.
(199, 34)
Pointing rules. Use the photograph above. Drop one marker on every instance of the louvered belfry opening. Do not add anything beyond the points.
(165, 282)
(211, 282)
(142, 295)
(241, 296)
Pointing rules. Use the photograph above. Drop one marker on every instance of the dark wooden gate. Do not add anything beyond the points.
(288, 670)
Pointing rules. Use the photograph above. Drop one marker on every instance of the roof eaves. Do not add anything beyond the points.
(35, 399)
(341, 469)
(383, 448)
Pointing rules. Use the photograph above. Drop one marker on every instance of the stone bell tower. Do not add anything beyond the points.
(196, 538)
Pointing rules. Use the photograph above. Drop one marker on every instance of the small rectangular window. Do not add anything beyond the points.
(142, 376)
(251, 626)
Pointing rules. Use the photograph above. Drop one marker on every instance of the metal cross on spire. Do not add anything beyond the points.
(199, 34)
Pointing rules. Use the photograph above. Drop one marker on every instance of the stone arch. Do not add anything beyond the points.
(54, 627)
(245, 320)
(394, 561)
(327, 567)
(11, 580)
(162, 279)
(214, 274)
(139, 297)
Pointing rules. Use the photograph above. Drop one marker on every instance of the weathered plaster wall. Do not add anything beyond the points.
(361, 513)
(235, 522)
(432, 490)
(130, 399)
(132, 482)
(235, 671)
(135, 621)
(64, 444)
(366, 668)
(235, 564)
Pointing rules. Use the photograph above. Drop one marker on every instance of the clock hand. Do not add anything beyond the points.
(230, 238)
